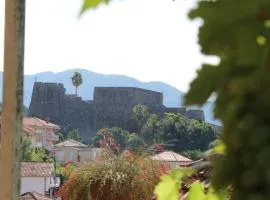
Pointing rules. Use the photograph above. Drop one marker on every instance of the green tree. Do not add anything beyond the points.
(26, 149)
(75, 135)
(62, 137)
(77, 80)
(40, 154)
(119, 135)
(135, 142)
(141, 114)
(153, 130)
(33, 154)
(193, 154)
(178, 132)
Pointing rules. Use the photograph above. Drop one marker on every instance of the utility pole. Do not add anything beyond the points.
(12, 100)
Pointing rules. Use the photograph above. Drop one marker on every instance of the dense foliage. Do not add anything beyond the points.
(74, 134)
(34, 154)
(172, 131)
(114, 177)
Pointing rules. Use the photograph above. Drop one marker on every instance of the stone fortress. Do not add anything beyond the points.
(111, 106)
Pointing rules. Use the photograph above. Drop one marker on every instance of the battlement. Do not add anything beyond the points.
(46, 84)
(127, 96)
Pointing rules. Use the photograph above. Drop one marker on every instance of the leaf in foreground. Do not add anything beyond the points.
(167, 189)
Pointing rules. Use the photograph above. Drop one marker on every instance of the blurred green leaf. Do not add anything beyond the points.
(261, 40)
(196, 191)
(220, 148)
(91, 4)
(267, 23)
(216, 195)
(167, 189)
(204, 85)
(178, 174)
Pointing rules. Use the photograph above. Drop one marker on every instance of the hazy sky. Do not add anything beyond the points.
(150, 40)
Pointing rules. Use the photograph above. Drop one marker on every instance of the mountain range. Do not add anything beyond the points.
(172, 96)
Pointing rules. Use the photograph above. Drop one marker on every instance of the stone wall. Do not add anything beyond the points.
(195, 114)
(111, 106)
(127, 96)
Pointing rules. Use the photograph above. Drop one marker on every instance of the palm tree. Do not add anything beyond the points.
(76, 80)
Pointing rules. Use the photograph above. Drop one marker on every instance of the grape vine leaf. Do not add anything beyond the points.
(91, 4)
(203, 86)
(178, 174)
(196, 191)
(167, 188)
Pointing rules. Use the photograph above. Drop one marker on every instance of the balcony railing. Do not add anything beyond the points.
(53, 137)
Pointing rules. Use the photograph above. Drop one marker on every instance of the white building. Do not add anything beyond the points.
(74, 151)
(38, 177)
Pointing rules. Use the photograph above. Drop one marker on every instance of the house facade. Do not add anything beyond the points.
(41, 133)
(38, 177)
(74, 151)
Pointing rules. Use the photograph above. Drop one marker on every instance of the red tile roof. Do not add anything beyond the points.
(29, 124)
(32, 121)
(36, 169)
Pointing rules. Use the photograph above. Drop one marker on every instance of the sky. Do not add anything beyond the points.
(150, 40)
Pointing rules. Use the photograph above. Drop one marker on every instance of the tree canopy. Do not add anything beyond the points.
(172, 131)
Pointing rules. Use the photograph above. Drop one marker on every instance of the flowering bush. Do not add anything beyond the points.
(129, 177)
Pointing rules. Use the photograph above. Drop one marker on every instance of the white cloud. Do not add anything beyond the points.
(151, 40)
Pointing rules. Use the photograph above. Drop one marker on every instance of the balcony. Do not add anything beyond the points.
(53, 137)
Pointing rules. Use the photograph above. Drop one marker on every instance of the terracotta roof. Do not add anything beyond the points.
(170, 156)
(29, 130)
(70, 143)
(33, 121)
(29, 123)
(36, 169)
(33, 196)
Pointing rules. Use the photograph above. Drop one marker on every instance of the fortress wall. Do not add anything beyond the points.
(176, 110)
(126, 96)
(112, 106)
(195, 114)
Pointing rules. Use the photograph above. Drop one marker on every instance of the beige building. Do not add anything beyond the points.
(74, 151)
(42, 133)
(171, 158)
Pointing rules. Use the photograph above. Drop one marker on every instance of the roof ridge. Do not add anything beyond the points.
(36, 161)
